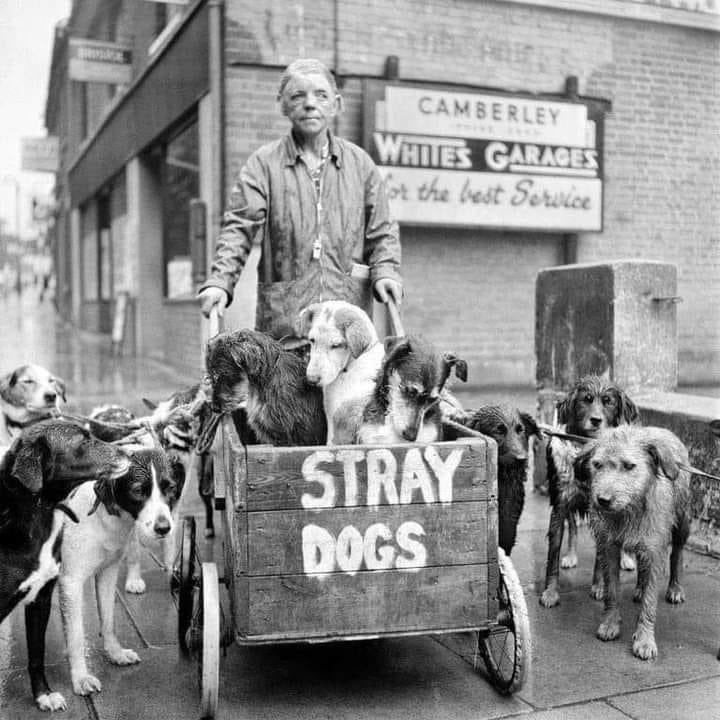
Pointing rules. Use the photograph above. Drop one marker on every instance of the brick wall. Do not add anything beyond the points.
(662, 153)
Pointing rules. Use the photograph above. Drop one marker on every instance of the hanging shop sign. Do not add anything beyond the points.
(102, 62)
(39, 154)
(475, 159)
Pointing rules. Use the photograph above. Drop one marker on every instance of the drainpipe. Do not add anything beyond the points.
(216, 49)
(216, 10)
(570, 240)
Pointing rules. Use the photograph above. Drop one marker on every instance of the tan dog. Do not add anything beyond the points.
(345, 361)
(27, 394)
(640, 500)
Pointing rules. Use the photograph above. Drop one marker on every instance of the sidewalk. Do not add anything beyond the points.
(574, 676)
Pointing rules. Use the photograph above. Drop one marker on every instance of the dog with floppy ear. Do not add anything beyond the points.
(406, 404)
(593, 405)
(27, 394)
(108, 511)
(639, 489)
(43, 465)
(345, 358)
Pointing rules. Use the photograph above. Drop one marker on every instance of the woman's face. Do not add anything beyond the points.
(309, 102)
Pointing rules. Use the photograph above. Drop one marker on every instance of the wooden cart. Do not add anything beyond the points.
(354, 542)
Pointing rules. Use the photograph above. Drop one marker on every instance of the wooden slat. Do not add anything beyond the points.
(275, 478)
(342, 605)
(454, 534)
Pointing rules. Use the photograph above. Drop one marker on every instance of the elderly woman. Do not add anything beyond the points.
(317, 205)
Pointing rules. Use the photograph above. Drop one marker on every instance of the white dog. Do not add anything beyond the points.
(345, 361)
(27, 394)
(108, 511)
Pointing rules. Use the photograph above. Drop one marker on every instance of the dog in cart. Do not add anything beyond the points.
(327, 543)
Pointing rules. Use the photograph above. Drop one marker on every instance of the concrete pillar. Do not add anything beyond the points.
(616, 319)
(144, 235)
(75, 265)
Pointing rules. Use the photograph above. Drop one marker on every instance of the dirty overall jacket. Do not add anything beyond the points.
(328, 245)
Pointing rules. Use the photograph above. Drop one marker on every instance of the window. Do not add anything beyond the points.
(181, 183)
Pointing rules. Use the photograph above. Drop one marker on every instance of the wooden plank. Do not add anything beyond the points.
(341, 605)
(302, 541)
(347, 476)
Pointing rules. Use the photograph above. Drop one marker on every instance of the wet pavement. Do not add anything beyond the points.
(573, 676)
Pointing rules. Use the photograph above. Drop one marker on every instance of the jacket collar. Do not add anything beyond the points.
(292, 152)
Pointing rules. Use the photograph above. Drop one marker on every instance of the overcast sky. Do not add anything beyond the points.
(26, 39)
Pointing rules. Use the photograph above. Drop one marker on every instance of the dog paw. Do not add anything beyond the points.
(627, 561)
(569, 561)
(51, 701)
(86, 684)
(609, 629)
(122, 656)
(675, 594)
(550, 598)
(597, 592)
(644, 646)
(638, 594)
(135, 585)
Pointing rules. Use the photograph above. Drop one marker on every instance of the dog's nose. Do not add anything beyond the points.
(410, 434)
(596, 421)
(603, 501)
(50, 397)
(161, 527)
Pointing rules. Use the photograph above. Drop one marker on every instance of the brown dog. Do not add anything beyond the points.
(592, 405)
(640, 498)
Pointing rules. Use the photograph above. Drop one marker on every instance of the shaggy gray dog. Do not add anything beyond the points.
(639, 500)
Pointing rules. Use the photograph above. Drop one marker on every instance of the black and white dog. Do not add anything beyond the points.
(108, 511)
(42, 466)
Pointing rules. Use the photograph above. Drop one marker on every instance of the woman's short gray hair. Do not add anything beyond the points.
(306, 66)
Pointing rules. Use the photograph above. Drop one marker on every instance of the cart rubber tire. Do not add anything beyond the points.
(505, 647)
(209, 670)
(186, 580)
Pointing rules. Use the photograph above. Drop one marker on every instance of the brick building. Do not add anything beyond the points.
(200, 97)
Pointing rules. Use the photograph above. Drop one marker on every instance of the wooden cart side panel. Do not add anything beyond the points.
(301, 541)
(492, 530)
(294, 478)
(342, 605)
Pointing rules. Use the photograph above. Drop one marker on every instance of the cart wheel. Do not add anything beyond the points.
(184, 579)
(505, 647)
(209, 654)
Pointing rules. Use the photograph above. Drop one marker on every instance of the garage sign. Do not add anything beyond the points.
(452, 157)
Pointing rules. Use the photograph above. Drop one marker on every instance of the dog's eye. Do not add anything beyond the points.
(628, 465)
(27, 381)
(607, 400)
(520, 429)
(337, 346)
(588, 398)
(501, 430)
(597, 464)
(411, 392)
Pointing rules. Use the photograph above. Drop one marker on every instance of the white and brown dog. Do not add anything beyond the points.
(345, 359)
(27, 394)
(108, 511)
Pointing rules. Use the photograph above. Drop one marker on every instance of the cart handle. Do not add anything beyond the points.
(213, 322)
(395, 322)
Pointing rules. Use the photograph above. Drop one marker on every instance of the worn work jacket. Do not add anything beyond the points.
(331, 245)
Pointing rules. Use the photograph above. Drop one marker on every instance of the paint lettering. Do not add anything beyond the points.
(377, 549)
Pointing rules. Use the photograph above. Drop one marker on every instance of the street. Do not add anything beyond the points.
(573, 674)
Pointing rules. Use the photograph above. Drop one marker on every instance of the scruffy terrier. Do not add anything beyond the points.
(639, 489)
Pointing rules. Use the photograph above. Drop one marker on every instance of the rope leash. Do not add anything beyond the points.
(583, 440)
